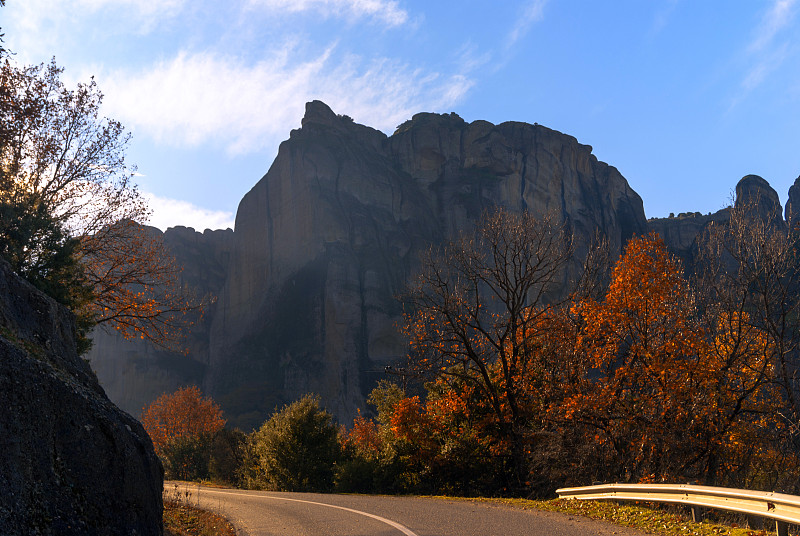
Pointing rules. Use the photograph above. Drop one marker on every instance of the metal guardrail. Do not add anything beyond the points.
(781, 508)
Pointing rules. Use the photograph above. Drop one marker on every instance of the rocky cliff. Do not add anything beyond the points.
(682, 233)
(793, 203)
(71, 463)
(327, 239)
(135, 372)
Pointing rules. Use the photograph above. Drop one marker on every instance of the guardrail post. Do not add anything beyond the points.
(782, 528)
(697, 514)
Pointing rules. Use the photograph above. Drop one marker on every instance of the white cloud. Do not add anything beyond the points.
(778, 17)
(662, 17)
(768, 49)
(172, 212)
(31, 14)
(767, 63)
(765, 54)
(205, 97)
(386, 11)
(38, 29)
(532, 13)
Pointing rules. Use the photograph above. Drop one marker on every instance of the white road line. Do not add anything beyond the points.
(389, 522)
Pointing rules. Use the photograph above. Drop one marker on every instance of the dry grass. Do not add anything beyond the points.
(648, 518)
(183, 520)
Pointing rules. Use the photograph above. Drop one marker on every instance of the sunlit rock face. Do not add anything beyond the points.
(72, 463)
(328, 238)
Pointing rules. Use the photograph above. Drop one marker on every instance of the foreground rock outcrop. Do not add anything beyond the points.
(329, 237)
(71, 463)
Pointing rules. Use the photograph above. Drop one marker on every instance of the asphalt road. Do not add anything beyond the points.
(258, 513)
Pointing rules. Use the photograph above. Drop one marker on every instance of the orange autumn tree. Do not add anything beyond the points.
(182, 425)
(667, 394)
(751, 275)
(739, 446)
(363, 437)
(644, 349)
(136, 285)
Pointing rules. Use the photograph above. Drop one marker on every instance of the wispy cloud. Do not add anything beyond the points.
(662, 17)
(532, 13)
(768, 50)
(766, 63)
(172, 212)
(385, 11)
(41, 28)
(778, 17)
(470, 58)
(205, 97)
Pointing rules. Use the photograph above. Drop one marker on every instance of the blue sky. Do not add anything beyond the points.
(683, 97)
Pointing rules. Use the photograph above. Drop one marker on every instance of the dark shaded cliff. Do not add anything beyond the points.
(134, 372)
(72, 463)
(331, 234)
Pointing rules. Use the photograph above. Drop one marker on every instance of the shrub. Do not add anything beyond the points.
(297, 449)
(226, 456)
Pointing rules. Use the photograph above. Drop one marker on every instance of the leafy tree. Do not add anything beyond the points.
(451, 442)
(750, 275)
(135, 285)
(372, 456)
(363, 455)
(668, 390)
(643, 346)
(226, 455)
(474, 309)
(182, 426)
(68, 204)
(295, 450)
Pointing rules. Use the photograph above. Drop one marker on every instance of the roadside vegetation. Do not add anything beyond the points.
(653, 519)
(183, 517)
(185, 520)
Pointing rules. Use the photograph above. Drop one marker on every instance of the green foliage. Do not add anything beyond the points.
(186, 458)
(218, 457)
(226, 455)
(384, 397)
(295, 450)
(39, 249)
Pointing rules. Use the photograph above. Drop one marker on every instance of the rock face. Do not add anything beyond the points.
(328, 238)
(793, 203)
(72, 463)
(134, 372)
(757, 196)
(682, 233)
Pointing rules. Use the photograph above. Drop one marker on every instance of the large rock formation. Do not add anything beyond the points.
(328, 238)
(683, 233)
(71, 462)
